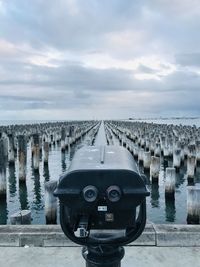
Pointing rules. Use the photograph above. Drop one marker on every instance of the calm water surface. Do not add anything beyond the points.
(189, 122)
(31, 195)
(158, 209)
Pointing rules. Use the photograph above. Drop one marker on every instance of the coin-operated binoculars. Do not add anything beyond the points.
(99, 196)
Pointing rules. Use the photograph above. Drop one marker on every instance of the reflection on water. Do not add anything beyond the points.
(155, 196)
(197, 174)
(23, 196)
(170, 210)
(160, 210)
(46, 173)
(180, 177)
(3, 211)
(12, 180)
(37, 191)
(63, 162)
(30, 195)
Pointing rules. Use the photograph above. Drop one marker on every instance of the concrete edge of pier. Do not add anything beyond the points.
(159, 235)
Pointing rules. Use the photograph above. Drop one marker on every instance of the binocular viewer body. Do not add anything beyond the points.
(100, 194)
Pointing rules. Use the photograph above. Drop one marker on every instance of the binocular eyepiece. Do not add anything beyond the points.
(90, 193)
(113, 193)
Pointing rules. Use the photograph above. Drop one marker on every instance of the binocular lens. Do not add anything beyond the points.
(114, 193)
(90, 193)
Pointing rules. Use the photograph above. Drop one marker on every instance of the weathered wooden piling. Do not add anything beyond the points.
(142, 141)
(5, 146)
(11, 149)
(182, 152)
(170, 182)
(21, 217)
(157, 150)
(191, 150)
(45, 153)
(135, 151)
(193, 205)
(141, 155)
(152, 146)
(57, 137)
(191, 168)
(36, 152)
(154, 169)
(22, 157)
(147, 160)
(63, 136)
(2, 170)
(162, 143)
(50, 202)
(198, 152)
(177, 158)
(147, 144)
(68, 143)
(123, 140)
(170, 146)
(166, 151)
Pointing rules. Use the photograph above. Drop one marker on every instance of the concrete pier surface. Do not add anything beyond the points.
(71, 257)
(46, 246)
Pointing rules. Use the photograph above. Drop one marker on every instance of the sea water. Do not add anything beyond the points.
(31, 195)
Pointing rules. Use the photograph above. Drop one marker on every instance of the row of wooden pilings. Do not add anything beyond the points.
(148, 142)
(14, 141)
(50, 200)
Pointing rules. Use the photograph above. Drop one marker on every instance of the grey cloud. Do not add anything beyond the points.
(50, 22)
(188, 59)
(145, 69)
(182, 81)
(71, 77)
(15, 103)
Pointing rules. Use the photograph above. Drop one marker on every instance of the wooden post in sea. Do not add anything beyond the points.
(2, 171)
(45, 152)
(63, 136)
(154, 169)
(36, 152)
(170, 183)
(177, 159)
(11, 149)
(141, 155)
(22, 157)
(191, 168)
(198, 152)
(135, 151)
(191, 150)
(147, 160)
(147, 143)
(193, 205)
(50, 202)
(157, 150)
(162, 143)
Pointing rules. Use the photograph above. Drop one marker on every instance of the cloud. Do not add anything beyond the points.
(145, 69)
(117, 58)
(188, 59)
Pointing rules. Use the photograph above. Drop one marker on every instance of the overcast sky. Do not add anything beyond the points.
(86, 59)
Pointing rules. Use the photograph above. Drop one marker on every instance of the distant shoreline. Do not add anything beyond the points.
(166, 118)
